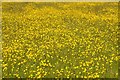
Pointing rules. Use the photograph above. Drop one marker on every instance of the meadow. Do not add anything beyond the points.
(59, 40)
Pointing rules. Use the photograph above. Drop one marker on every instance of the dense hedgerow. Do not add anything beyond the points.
(60, 40)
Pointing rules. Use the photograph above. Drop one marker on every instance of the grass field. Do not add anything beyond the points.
(60, 40)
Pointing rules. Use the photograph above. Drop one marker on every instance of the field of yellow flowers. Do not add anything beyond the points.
(60, 40)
